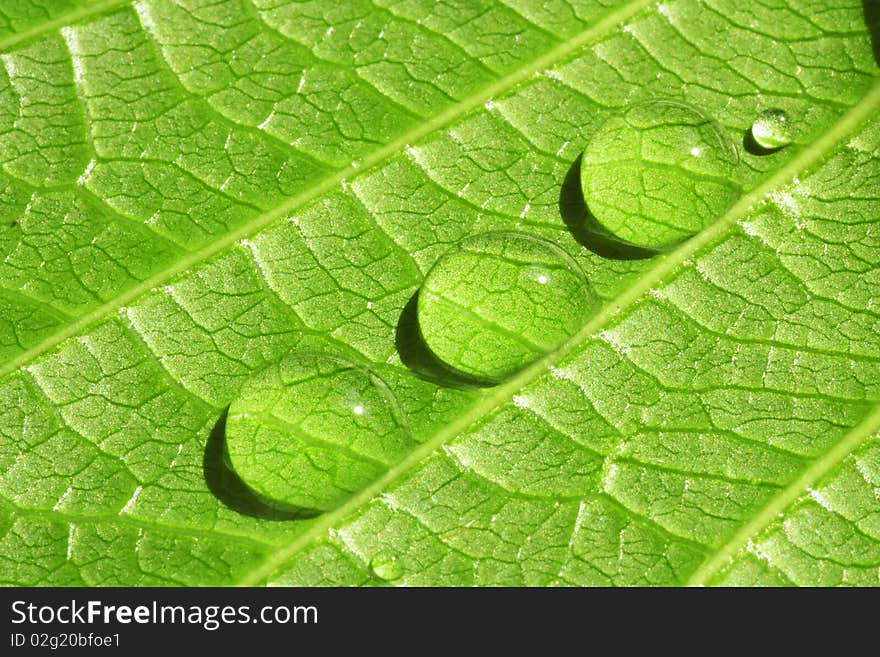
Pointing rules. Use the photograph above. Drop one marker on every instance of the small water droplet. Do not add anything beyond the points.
(772, 129)
(498, 301)
(657, 174)
(386, 567)
(311, 429)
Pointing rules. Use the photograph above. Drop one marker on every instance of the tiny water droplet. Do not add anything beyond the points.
(498, 301)
(311, 429)
(772, 129)
(385, 567)
(657, 174)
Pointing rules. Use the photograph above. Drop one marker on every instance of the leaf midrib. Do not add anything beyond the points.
(367, 163)
(806, 159)
(810, 156)
(61, 21)
(787, 496)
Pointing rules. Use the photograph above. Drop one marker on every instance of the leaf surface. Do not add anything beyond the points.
(189, 191)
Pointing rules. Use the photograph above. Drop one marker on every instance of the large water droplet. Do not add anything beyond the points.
(772, 129)
(311, 429)
(657, 174)
(500, 300)
(386, 567)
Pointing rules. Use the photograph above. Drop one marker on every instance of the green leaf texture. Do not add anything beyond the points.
(190, 190)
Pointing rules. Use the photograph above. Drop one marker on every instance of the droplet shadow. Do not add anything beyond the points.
(583, 225)
(752, 147)
(230, 489)
(871, 11)
(415, 355)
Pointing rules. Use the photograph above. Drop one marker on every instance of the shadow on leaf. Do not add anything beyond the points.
(230, 489)
(871, 9)
(414, 353)
(754, 148)
(583, 225)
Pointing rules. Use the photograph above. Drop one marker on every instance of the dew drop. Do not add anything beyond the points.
(772, 129)
(386, 567)
(311, 429)
(498, 301)
(657, 174)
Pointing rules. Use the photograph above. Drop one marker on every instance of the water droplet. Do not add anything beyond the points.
(772, 129)
(657, 174)
(498, 301)
(311, 429)
(386, 567)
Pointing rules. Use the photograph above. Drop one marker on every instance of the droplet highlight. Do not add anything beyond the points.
(498, 301)
(311, 429)
(385, 567)
(772, 129)
(657, 174)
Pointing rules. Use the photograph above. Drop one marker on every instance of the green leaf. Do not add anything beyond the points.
(500, 300)
(658, 174)
(310, 430)
(191, 192)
